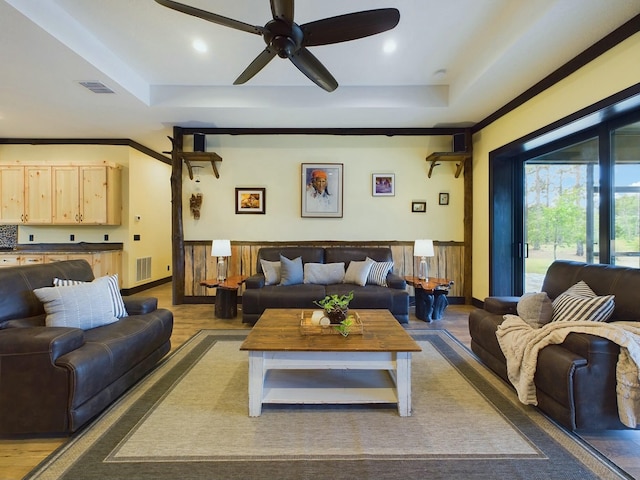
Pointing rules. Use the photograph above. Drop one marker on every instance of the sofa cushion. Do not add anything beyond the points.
(271, 272)
(358, 272)
(85, 306)
(291, 272)
(323, 273)
(535, 309)
(579, 302)
(119, 310)
(378, 273)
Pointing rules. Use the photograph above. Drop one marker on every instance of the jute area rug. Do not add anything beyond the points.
(189, 420)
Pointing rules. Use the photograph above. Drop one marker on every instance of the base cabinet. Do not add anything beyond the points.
(102, 263)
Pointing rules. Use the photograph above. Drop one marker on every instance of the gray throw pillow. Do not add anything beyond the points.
(357, 272)
(535, 309)
(85, 306)
(291, 272)
(324, 273)
(271, 272)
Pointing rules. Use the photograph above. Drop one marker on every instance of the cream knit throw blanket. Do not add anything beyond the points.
(521, 343)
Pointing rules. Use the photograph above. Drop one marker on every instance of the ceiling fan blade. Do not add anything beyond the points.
(211, 17)
(282, 9)
(308, 64)
(350, 26)
(254, 67)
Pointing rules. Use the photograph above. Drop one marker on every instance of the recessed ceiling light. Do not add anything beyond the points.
(199, 46)
(389, 46)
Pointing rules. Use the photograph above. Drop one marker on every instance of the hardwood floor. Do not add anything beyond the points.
(19, 456)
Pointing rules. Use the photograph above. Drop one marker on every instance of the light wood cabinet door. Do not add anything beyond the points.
(38, 201)
(93, 195)
(12, 194)
(32, 260)
(9, 260)
(66, 192)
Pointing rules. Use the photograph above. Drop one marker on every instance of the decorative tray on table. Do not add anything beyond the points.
(313, 322)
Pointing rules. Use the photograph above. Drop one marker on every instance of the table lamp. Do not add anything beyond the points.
(221, 249)
(423, 249)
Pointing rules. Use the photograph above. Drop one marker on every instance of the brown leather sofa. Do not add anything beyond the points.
(257, 296)
(576, 380)
(54, 380)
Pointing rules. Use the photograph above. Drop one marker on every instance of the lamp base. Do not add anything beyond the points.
(422, 270)
(222, 269)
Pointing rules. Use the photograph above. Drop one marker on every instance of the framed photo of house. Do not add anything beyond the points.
(443, 199)
(251, 200)
(383, 184)
(419, 207)
(321, 189)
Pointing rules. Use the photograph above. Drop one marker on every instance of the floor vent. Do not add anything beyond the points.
(143, 269)
(97, 87)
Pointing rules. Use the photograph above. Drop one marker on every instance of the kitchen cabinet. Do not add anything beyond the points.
(25, 192)
(107, 262)
(86, 194)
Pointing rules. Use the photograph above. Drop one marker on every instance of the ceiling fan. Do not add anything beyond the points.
(289, 40)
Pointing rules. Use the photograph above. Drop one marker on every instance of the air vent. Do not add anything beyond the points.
(97, 87)
(143, 269)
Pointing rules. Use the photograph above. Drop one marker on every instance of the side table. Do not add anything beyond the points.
(226, 295)
(431, 296)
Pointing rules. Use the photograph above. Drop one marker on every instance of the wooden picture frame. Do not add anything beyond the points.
(419, 207)
(251, 200)
(383, 184)
(443, 198)
(321, 190)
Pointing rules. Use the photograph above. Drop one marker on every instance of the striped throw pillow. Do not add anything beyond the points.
(378, 273)
(117, 304)
(579, 302)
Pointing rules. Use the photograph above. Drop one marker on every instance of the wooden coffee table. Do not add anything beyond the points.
(288, 367)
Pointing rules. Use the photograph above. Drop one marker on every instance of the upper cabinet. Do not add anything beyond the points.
(87, 194)
(25, 192)
(60, 194)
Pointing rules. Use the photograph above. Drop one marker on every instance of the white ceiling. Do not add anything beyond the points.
(456, 62)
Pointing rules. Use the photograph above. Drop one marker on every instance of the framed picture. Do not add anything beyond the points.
(419, 207)
(383, 184)
(443, 199)
(251, 200)
(321, 189)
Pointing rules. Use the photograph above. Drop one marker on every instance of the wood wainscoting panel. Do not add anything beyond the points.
(448, 262)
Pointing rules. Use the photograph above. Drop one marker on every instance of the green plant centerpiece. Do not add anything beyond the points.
(336, 306)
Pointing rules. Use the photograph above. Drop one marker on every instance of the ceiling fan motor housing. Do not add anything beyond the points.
(285, 38)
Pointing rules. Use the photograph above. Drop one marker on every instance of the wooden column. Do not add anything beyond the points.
(177, 232)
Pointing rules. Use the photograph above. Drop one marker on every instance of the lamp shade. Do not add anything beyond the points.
(423, 248)
(221, 248)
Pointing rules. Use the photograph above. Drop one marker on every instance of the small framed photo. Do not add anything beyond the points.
(443, 199)
(321, 189)
(383, 184)
(251, 200)
(418, 207)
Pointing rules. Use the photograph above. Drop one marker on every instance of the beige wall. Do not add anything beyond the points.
(149, 196)
(612, 72)
(274, 162)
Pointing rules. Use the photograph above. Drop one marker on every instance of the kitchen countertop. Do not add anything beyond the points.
(82, 247)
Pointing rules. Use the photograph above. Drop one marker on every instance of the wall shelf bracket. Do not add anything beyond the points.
(194, 157)
(460, 157)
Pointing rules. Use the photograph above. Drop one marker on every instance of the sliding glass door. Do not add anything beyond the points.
(560, 209)
(625, 244)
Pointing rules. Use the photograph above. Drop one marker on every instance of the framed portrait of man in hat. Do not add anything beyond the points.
(321, 192)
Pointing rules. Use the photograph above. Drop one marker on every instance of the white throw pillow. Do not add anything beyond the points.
(579, 302)
(86, 305)
(378, 273)
(271, 272)
(324, 273)
(357, 272)
(119, 310)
